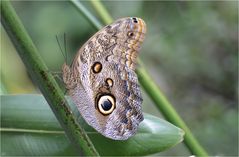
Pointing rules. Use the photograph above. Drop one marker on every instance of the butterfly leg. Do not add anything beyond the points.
(68, 78)
(55, 73)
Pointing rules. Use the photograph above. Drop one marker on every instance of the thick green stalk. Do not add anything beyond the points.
(156, 95)
(168, 111)
(44, 79)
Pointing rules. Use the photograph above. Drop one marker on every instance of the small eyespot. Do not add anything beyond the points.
(109, 82)
(130, 34)
(106, 104)
(135, 20)
(96, 67)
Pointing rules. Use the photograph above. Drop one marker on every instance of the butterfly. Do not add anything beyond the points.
(102, 81)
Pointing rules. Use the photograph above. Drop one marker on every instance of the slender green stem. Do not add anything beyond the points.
(45, 81)
(156, 95)
(30, 131)
(87, 14)
(103, 13)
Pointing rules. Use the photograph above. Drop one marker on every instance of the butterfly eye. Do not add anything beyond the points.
(135, 20)
(106, 104)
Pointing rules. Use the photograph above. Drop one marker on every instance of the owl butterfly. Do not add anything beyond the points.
(102, 81)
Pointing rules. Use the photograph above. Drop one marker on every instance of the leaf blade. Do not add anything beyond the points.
(22, 112)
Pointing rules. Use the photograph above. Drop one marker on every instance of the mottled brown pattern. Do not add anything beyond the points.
(112, 53)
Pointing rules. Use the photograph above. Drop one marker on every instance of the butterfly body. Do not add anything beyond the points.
(102, 81)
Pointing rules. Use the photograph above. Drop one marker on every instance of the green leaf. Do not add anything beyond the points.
(28, 127)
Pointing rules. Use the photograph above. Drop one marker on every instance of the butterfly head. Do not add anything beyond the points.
(135, 29)
(137, 24)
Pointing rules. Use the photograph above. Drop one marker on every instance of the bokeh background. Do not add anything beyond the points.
(191, 51)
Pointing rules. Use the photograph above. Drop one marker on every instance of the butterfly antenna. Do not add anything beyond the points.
(65, 47)
(60, 48)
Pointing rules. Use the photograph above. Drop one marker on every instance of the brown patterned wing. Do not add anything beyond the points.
(107, 91)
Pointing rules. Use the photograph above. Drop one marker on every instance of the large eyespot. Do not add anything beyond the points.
(96, 67)
(106, 104)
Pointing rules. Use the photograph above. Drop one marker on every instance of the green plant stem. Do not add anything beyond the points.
(156, 95)
(96, 24)
(103, 13)
(44, 79)
(168, 111)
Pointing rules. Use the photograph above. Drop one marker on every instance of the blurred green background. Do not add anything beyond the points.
(191, 51)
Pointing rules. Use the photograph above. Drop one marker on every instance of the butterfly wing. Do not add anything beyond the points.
(107, 93)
